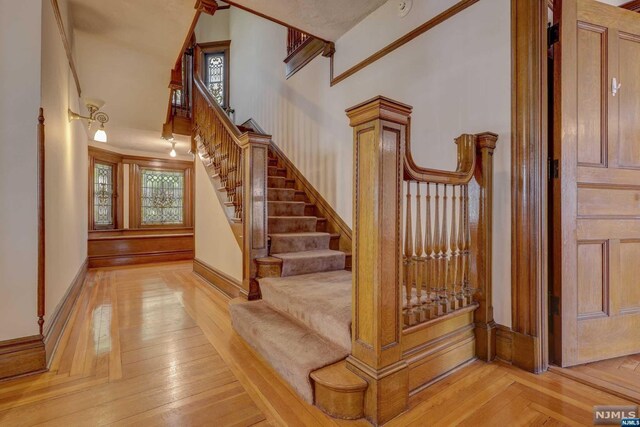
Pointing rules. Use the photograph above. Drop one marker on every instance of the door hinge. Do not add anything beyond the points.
(554, 305)
(553, 166)
(553, 34)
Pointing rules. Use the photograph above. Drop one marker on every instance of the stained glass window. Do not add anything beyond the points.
(215, 76)
(162, 195)
(103, 195)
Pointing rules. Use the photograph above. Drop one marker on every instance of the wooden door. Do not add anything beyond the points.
(595, 173)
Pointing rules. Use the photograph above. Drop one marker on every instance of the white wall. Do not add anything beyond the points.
(456, 76)
(66, 165)
(20, 88)
(213, 28)
(215, 242)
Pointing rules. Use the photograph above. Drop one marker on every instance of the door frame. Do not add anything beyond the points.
(529, 185)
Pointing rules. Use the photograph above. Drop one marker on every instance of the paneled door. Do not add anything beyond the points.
(595, 179)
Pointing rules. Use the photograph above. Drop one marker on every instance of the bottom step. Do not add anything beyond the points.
(291, 348)
(339, 392)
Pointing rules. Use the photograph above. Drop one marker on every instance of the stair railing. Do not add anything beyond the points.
(419, 263)
(240, 162)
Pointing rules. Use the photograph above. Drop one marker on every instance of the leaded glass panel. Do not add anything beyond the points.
(162, 197)
(103, 195)
(215, 76)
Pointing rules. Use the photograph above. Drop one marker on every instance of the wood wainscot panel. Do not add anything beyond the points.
(131, 247)
(219, 280)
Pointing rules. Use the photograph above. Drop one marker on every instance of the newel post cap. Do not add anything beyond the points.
(379, 108)
(250, 138)
(487, 140)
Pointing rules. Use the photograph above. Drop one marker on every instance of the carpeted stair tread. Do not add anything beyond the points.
(306, 262)
(286, 208)
(281, 194)
(298, 242)
(292, 224)
(291, 348)
(321, 301)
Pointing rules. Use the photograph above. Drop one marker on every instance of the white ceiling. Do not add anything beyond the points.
(124, 51)
(327, 19)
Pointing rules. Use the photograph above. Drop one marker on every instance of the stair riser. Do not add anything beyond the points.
(273, 162)
(280, 195)
(292, 225)
(282, 245)
(280, 182)
(286, 209)
(276, 171)
(310, 210)
(312, 265)
(300, 197)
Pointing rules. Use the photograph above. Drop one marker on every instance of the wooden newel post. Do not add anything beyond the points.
(255, 161)
(379, 131)
(481, 222)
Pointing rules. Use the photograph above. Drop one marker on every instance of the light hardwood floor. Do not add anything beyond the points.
(154, 345)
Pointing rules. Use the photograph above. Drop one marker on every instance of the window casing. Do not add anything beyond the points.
(214, 69)
(104, 195)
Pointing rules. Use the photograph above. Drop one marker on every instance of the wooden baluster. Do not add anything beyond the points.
(460, 249)
(409, 315)
(419, 260)
(437, 256)
(444, 260)
(454, 251)
(468, 294)
(429, 261)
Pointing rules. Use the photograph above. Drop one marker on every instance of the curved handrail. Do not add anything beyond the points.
(462, 175)
(224, 118)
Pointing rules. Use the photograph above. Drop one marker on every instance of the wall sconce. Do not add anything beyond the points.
(93, 105)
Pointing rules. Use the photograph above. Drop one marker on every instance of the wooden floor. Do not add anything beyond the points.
(620, 375)
(154, 346)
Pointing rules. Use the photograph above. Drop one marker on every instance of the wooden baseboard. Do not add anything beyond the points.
(136, 259)
(219, 280)
(504, 340)
(56, 323)
(22, 356)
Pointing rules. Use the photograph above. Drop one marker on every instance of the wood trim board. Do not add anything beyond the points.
(431, 23)
(219, 280)
(60, 318)
(67, 45)
(22, 356)
(529, 192)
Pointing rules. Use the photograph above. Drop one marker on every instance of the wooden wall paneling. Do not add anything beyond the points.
(633, 5)
(379, 131)
(133, 247)
(529, 184)
(218, 279)
(504, 343)
(41, 222)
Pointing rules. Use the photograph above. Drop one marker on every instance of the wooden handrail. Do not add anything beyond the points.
(462, 175)
(222, 115)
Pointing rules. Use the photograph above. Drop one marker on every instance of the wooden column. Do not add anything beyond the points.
(255, 161)
(379, 131)
(529, 240)
(481, 223)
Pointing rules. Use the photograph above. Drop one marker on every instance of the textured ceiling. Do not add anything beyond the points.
(124, 51)
(328, 19)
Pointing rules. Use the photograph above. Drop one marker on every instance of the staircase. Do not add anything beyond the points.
(303, 321)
